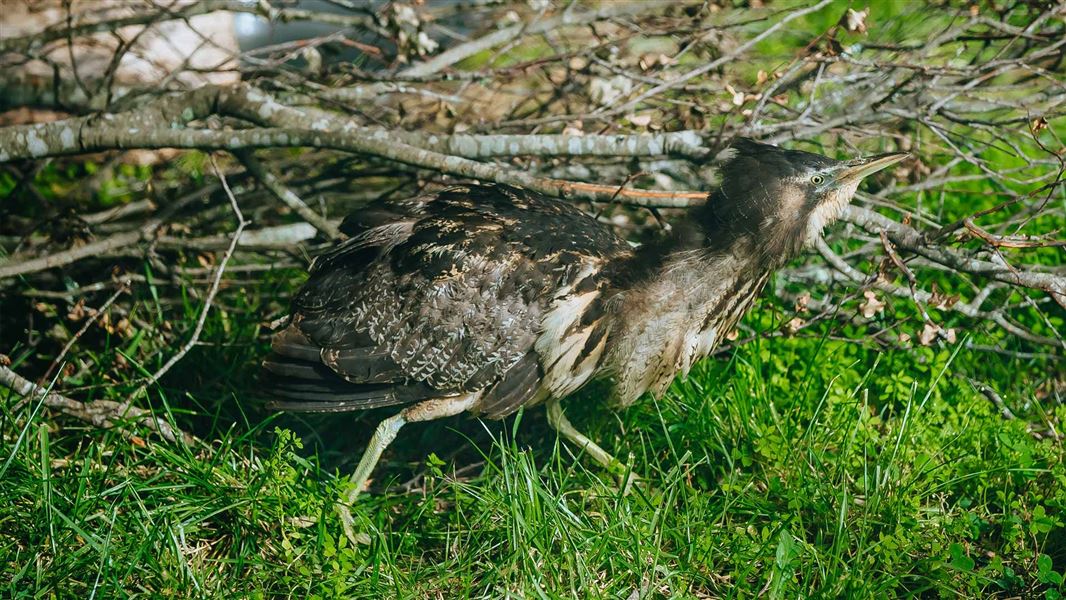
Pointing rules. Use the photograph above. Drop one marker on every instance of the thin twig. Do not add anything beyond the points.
(457, 53)
(993, 397)
(215, 284)
(123, 287)
(286, 195)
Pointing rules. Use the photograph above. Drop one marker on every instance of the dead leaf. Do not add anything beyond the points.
(77, 312)
(949, 335)
(302, 522)
(737, 97)
(1038, 124)
(639, 120)
(732, 335)
(928, 334)
(904, 338)
(511, 17)
(855, 20)
(124, 327)
(607, 91)
(942, 301)
(802, 301)
(872, 305)
(795, 325)
(313, 58)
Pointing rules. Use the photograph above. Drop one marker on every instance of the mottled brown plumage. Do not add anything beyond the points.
(440, 295)
(488, 298)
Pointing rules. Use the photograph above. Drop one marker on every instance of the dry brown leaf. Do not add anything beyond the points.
(578, 63)
(855, 20)
(872, 305)
(639, 120)
(77, 312)
(928, 334)
(737, 98)
(942, 301)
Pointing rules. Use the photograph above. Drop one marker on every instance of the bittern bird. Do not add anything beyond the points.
(489, 298)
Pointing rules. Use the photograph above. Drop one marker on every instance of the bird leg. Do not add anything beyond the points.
(561, 424)
(428, 410)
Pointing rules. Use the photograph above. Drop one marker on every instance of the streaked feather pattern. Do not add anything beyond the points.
(505, 297)
(449, 290)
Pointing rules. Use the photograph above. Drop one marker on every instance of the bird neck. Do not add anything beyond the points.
(679, 296)
(701, 243)
(686, 301)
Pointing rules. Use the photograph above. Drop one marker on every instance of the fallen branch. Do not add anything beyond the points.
(100, 413)
(322, 130)
(910, 239)
(17, 265)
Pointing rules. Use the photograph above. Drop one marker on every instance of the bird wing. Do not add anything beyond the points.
(441, 294)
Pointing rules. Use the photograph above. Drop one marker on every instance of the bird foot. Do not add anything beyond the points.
(626, 476)
(348, 523)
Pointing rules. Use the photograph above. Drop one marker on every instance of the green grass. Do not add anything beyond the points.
(820, 466)
(796, 467)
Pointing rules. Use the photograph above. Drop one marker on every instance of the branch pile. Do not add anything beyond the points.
(620, 106)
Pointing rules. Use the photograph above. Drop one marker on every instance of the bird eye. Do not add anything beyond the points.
(817, 180)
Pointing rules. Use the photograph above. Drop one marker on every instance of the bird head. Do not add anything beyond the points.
(779, 200)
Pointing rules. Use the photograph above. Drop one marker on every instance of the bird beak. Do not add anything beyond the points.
(859, 168)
